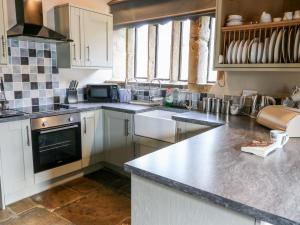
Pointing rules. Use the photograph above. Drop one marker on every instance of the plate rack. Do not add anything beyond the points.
(261, 32)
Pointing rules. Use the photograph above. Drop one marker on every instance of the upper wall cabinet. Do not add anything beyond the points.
(92, 36)
(3, 36)
(247, 42)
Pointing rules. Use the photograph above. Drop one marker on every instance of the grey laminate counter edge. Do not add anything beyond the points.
(204, 195)
(14, 118)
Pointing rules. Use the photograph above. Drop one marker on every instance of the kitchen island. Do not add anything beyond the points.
(207, 179)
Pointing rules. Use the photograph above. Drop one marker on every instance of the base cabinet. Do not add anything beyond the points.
(92, 137)
(16, 157)
(118, 137)
(144, 146)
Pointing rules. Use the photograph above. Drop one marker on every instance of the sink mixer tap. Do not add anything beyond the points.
(190, 105)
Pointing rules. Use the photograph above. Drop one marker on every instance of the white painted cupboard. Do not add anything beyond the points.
(3, 36)
(91, 33)
(92, 137)
(16, 158)
(118, 137)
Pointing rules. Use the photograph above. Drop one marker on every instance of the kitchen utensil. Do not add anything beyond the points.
(266, 18)
(225, 107)
(266, 50)
(235, 17)
(260, 49)
(278, 48)
(240, 52)
(229, 53)
(272, 47)
(207, 104)
(296, 95)
(254, 105)
(296, 15)
(284, 45)
(221, 59)
(245, 52)
(291, 45)
(235, 109)
(234, 52)
(252, 50)
(266, 101)
(277, 19)
(279, 137)
(296, 45)
(288, 16)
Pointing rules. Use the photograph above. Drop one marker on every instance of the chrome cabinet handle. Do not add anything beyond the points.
(28, 137)
(126, 127)
(88, 50)
(74, 51)
(85, 129)
(3, 46)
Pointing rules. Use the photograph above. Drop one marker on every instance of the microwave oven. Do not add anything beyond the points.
(102, 93)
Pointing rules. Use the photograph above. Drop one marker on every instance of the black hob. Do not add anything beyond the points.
(9, 113)
(45, 109)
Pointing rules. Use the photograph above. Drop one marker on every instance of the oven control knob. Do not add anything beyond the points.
(45, 124)
(71, 119)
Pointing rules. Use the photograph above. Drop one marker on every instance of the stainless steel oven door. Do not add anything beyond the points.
(56, 146)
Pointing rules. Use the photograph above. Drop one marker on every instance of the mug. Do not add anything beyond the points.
(279, 137)
(288, 16)
(296, 95)
(297, 15)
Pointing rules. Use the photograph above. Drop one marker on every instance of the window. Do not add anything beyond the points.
(212, 75)
(184, 50)
(163, 54)
(141, 52)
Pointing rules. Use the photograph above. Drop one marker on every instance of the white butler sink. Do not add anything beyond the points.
(156, 124)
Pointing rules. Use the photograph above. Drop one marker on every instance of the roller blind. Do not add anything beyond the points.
(130, 12)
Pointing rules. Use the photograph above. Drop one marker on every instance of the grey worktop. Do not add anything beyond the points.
(201, 118)
(82, 107)
(211, 166)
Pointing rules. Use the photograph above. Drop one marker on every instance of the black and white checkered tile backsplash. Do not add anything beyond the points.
(31, 78)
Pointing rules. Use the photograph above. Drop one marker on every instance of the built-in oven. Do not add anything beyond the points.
(56, 141)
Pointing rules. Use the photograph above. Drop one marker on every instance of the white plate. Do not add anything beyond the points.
(245, 52)
(260, 52)
(278, 52)
(284, 46)
(229, 53)
(235, 17)
(291, 45)
(296, 45)
(240, 52)
(299, 53)
(229, 24)
(272, 47)
(234, 52)
(265, 51)
(252, 50)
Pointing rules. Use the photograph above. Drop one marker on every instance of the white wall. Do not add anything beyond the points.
(84, 76)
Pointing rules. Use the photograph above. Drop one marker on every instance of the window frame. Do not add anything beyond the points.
(156, 55)
(180, 54)
(135, 55)
(208, 81)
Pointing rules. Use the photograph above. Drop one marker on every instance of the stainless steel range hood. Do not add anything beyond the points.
(30, 26)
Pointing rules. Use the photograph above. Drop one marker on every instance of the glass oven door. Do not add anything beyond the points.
(55, 147)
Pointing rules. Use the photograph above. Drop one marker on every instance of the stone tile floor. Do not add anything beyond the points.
(101, 198)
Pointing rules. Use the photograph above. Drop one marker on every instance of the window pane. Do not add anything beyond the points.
(164, 51)
(184, 57)
(141, 55)
(119, 54)
(212, 75)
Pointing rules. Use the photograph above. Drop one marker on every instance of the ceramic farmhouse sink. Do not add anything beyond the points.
(156, 124)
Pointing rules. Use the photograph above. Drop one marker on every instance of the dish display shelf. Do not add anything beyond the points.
(275, 42)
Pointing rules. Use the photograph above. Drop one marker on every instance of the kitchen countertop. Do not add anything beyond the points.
(211, 166)
(82, 107)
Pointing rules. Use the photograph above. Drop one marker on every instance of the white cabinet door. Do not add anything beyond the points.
(92, 138)
(76, 34)
(16, 156)
(118, 139)
(3, 37)
(97, 37)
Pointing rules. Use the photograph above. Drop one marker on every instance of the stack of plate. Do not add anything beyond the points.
(282, 47)
(234, 20)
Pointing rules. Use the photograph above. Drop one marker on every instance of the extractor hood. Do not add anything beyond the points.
(30, 26)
